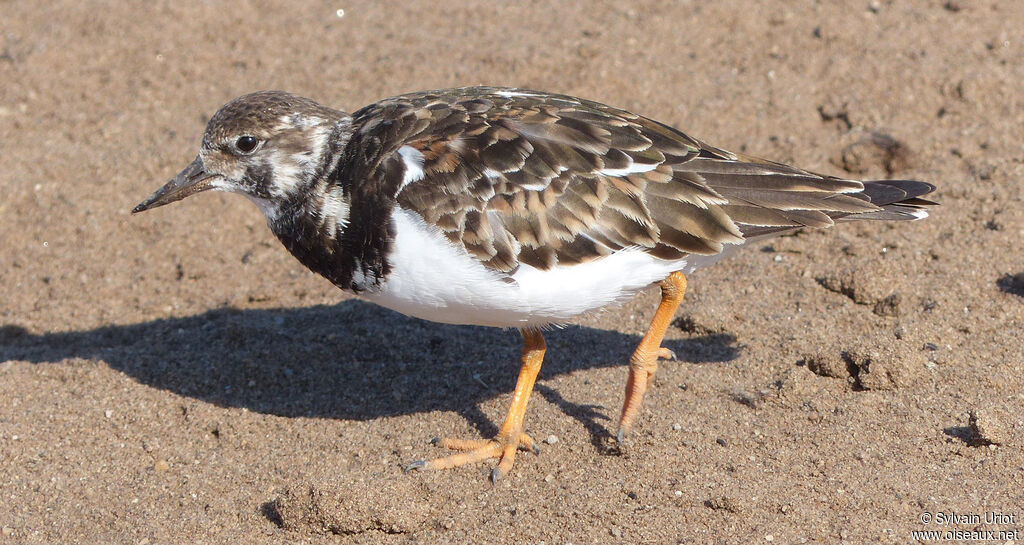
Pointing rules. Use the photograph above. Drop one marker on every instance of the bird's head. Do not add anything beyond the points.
(268, 146)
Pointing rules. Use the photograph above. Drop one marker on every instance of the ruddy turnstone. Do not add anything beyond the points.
(510, 208)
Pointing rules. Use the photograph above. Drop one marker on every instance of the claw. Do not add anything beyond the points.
(495, 475)
(526, 443)
(666, 354)
(621, 436)
(417, 465)
(435, 441)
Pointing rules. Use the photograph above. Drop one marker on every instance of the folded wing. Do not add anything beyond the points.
(524, 177)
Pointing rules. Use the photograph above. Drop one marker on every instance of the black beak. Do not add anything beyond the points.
(191, 180)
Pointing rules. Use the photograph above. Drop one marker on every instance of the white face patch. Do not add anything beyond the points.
(318, 141)
(287, 174)
(413, 161)
(293, 170)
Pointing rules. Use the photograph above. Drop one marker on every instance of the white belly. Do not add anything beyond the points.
(433, 280)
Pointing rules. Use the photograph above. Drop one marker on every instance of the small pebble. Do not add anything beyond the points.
(720, 441)
(108, 413)
(616, 532)
(551, 439)
(769, 537)
(548, 478)
(161, 465)
(677, 426)
(678, 493)
(955, 5)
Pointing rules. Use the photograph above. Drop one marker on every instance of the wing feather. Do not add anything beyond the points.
(521, 177)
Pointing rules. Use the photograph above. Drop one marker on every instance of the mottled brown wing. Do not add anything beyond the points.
(525, 177)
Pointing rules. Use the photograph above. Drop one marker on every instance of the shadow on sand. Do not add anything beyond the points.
(353, 360)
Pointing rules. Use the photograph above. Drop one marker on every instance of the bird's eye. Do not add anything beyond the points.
(246, 144)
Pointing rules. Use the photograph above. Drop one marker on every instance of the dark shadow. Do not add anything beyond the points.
(270, 511)
(1012, 283)
(593, 418)
(963, 433)
(710, 348)
(353, 360)
(706, 344)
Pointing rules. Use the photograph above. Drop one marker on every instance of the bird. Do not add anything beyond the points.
(511, 208)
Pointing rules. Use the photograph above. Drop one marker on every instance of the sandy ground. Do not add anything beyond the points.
(177, 377)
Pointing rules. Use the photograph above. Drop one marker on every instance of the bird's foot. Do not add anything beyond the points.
(641, 373)
(503, 446)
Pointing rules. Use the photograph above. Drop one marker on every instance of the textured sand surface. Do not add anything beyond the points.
(176, 377)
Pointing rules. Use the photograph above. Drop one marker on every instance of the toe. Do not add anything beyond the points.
(528, 444)
(462, 444)
(508, 458)
(503, 447)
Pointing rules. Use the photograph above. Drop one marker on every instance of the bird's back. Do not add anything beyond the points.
(522, 177)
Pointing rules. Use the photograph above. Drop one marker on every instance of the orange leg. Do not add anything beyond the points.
(511, 436)
(644, 362)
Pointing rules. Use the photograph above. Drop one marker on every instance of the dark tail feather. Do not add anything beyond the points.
(898, 200)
